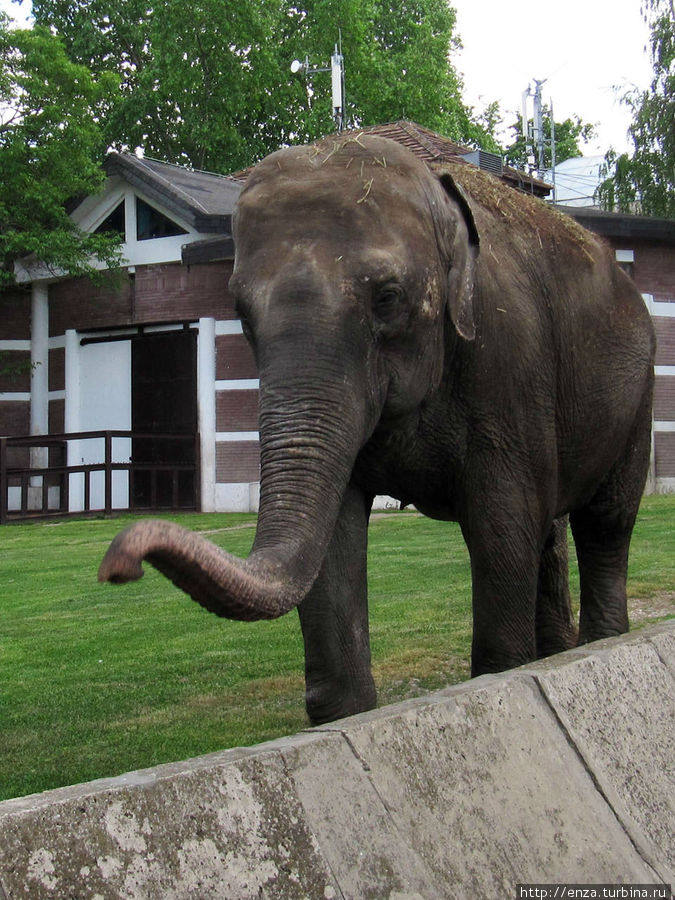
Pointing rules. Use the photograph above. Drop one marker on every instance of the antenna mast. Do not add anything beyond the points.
(337, 74)
(534, 136)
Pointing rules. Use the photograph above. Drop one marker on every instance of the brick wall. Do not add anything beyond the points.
(237, 411)
(15, 316)
(237, 462)
(664, 398)
(665, 340)
(171, 292)
(664, 453)
(653, 271)
(155, 294)
(57, 410)
(653, 267)
(234, 358)
(15, 306)
(14, 417)
(14, 370)
(77, 303)
(57, 369)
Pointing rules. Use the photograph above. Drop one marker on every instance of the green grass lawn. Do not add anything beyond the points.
(96, 680)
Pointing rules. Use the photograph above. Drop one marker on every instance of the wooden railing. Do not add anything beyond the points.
(37, 481)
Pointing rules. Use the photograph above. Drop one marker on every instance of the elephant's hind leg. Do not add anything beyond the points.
(334, 620)
(555, 627)
(602, 531)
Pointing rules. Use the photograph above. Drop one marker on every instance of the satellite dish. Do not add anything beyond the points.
(296, 66)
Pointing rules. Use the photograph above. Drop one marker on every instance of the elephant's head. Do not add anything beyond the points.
(354, 268)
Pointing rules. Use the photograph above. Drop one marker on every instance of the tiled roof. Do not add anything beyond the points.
(434, 148)
(426, 144)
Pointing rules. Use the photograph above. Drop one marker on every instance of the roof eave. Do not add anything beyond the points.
(143, 180)
(213, 249)
(622, 225)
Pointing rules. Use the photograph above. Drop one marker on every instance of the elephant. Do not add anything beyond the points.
(431, 334)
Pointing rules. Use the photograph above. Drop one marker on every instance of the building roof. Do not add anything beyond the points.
(623, 225)
(435, 148)
(203, 199)
(427, 145)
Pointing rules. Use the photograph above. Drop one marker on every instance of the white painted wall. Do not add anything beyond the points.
(101, 399)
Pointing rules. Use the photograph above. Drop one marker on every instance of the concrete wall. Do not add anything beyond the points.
(562, 771)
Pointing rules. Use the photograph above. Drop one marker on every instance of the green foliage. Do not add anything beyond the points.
(570, 134)
(209, 83)
(644, 180)
(51, 147)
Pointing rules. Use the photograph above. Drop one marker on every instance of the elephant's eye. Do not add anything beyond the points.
(388, 302)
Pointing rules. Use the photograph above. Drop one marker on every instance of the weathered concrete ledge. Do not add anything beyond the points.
(561, 771)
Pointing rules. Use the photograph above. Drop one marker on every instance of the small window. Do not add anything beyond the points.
(114, 222)
(625, 260)
(150, 223)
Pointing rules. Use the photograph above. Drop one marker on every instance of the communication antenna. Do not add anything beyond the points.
(553, 160)
(538, 119)
(534, 136)
(337, 72)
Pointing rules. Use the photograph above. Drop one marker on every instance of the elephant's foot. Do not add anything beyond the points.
(326, 703)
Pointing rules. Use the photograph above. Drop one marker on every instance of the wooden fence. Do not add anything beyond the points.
(36, 479)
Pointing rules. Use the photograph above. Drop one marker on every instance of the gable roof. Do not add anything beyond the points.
(202, 199)
(437, 149)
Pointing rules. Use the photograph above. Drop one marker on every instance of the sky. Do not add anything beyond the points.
(583, 48)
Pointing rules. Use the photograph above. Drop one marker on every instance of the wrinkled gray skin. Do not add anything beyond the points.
(464, 351)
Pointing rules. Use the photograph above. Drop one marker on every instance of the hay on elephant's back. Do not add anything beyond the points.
(549, 227)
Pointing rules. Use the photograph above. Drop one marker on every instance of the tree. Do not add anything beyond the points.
(51, 148)
(569, 135)
(209, 83)
(644, 180)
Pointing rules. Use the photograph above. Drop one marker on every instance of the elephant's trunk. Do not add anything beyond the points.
(224, 584)
(307, 454)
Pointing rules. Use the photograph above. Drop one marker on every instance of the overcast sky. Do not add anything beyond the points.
(583, 48)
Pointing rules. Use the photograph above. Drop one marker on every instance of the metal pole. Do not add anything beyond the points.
(555, 198)
(539, 126)
(337, 85)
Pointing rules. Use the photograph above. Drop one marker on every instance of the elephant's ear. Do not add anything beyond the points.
(462, 251)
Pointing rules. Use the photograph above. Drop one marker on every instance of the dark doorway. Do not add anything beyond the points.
(164, 420)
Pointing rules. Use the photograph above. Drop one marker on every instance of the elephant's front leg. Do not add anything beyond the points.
(504, 545)
(334, 620)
